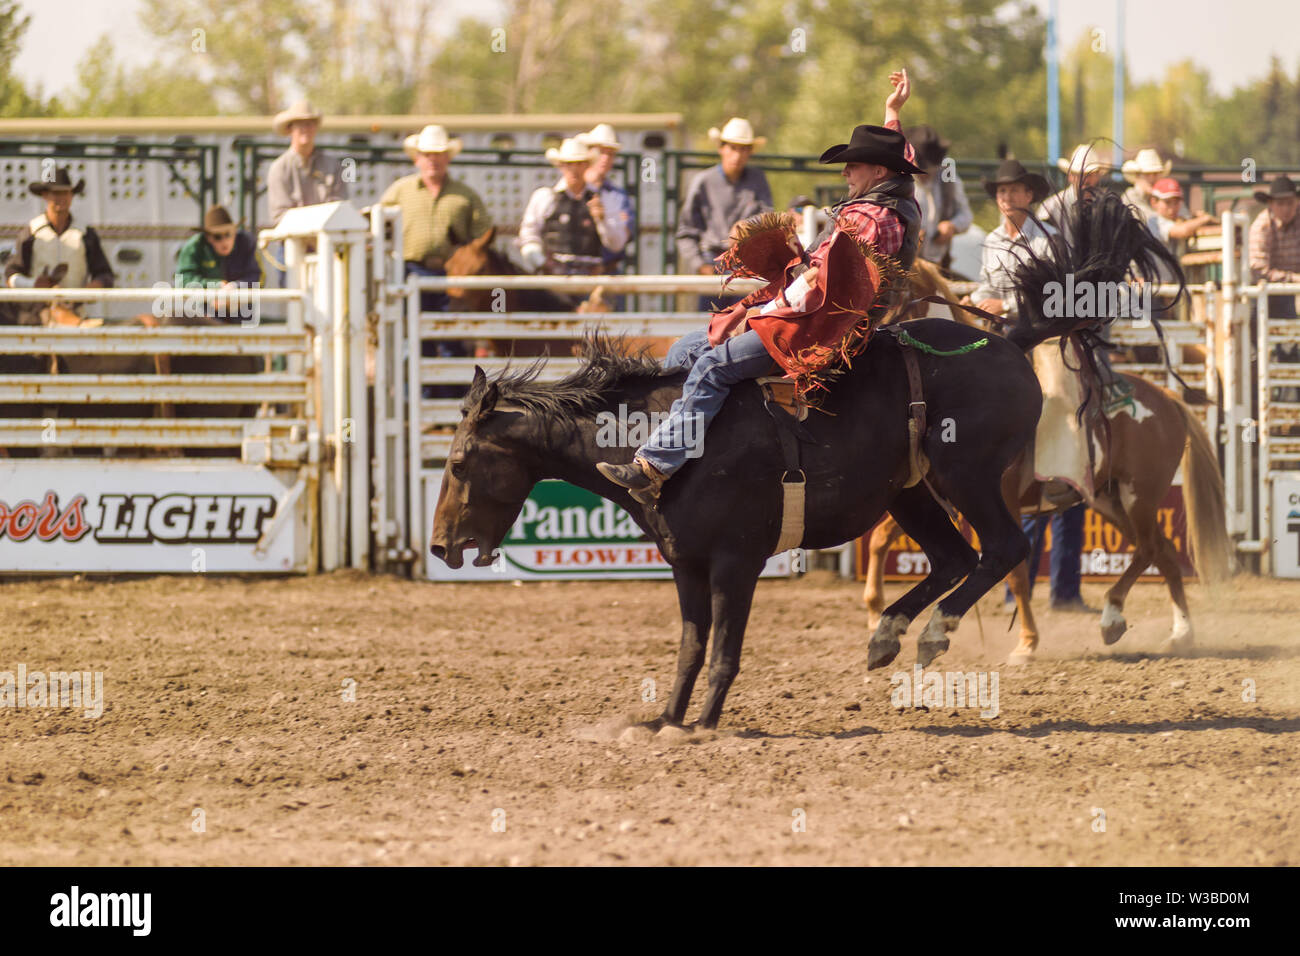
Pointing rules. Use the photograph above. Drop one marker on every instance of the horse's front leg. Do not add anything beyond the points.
(733, 594)
(694, 598)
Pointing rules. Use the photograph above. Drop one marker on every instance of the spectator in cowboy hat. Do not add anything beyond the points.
(1084, 170)
(219, 256)
(945, 210)
(1142, 171)
(1015, 189)
(720, 197)
(1168, 225)
(439, 214)
(301, 175)
(50, 251)
(566, 229)
(618, 204)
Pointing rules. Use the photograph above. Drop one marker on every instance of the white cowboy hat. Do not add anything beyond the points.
(571, 151)
(301, 110)
(1086, 158)
(1146, 163)
(431, 139)
(602, 135)
(738, 132)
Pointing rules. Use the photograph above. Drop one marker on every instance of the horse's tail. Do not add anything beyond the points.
(1103, 249)
(1205, 501)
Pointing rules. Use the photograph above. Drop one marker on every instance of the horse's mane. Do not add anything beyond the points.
(608, 362)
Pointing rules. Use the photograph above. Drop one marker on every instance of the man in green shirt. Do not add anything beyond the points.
(219, 256)
(438, 213)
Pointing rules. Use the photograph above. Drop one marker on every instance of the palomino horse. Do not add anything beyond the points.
(480, 258)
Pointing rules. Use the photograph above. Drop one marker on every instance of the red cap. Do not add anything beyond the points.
(1166, 189)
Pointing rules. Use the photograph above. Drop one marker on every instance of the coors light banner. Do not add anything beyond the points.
(70, 515)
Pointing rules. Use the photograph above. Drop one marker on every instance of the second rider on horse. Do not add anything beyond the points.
(880, 215)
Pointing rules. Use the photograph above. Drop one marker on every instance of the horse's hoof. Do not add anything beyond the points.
(927, 651)
(1178, 644)
(884, 644)
(1020, 656)
(934, 639)
(1113, 624)
(882, 651)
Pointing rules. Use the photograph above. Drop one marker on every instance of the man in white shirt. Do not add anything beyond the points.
(567, 230)
(1014, 189)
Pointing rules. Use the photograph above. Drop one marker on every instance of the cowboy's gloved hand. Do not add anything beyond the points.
(533, 257)
(44, 280)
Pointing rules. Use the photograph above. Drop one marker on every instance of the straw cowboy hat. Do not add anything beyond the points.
(571, 151)
(1013, 171)
(602, 136)
(1280, 188)
(301, 110)
(431, 139)
(1086, 159)
(738, 132)
(62, 182)
(1146, 163)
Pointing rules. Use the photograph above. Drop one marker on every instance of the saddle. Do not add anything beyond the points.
(780, 391)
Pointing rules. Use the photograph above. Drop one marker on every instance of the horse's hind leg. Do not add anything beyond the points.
(885, 534)
(1004, 546)
(951, 559)
(1151, 544)
(694, 598)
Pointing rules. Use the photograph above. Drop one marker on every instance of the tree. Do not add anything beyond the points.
(15, 99)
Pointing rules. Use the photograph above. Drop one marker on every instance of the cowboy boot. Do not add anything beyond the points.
(640, 478)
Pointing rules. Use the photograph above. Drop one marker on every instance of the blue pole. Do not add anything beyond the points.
(1118, 121)
(1053, 87)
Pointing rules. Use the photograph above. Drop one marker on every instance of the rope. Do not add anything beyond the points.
(920, 346)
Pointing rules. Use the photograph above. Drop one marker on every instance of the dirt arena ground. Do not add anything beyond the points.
(489, 727)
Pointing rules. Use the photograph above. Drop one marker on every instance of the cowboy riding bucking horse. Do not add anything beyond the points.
(869, 243)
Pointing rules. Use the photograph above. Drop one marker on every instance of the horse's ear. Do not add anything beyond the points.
(485, 240)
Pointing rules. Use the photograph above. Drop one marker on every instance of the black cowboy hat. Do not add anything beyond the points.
(930, 147)
(873, 144)
(61, 180)
(1279, 188)
(1013, 171)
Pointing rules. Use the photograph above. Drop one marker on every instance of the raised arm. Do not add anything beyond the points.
(902, 89)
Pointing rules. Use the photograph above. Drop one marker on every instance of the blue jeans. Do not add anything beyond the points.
(712, 373)
(1066, 553)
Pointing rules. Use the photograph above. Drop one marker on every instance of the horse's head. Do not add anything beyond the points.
(475, 258)
(485, 483)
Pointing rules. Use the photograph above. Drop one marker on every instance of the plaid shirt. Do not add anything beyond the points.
(436, 226)
(1274, 249)
(876, 225)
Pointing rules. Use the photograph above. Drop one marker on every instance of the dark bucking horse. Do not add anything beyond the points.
(719, 518)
